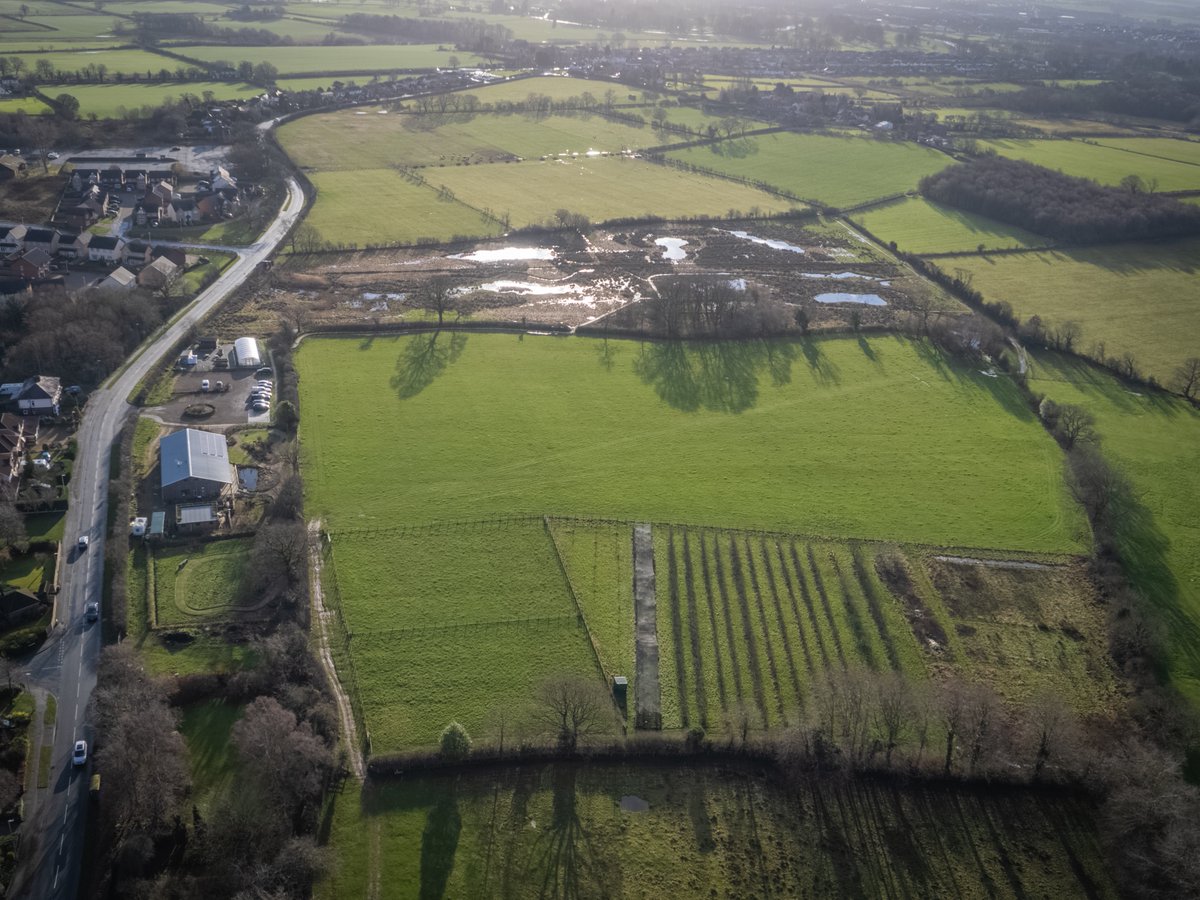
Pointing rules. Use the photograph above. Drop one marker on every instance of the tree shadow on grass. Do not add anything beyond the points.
(424, 358)
(565, 861)
(439, 844)
(819, 363)
(718, 376)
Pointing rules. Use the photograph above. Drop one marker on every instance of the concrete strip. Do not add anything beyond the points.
(647, 694)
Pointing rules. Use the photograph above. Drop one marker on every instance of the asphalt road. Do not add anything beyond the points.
(66, 664)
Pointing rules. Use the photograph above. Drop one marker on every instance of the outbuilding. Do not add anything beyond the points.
(246, 353)
(194, 465)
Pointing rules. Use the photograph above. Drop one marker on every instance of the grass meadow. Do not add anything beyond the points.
(109, 101)
(562, 831)
(122, 60)
(919, 226)
(31, 106)
(1155, 439)
(1163, 148)
(838, 171)
(709, 434)
(309, 60)
(556, 87)
(206, 726)
(1136, 298)
(1102, 163)
(198, 584)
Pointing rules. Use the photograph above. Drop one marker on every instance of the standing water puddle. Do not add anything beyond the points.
(507, 254)
(865, 299)
(838, 276)
(767, 242)
(672, 248)
(247, 478)
(630, 803)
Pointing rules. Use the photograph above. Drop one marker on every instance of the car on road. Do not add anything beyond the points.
(205, 385)
(92, 611)
(79, 754)
(173, 149)
(51, 155)
(82, 543)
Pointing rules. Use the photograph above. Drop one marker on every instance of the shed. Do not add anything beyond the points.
(195, 465)
(158, 524)
(245, 351)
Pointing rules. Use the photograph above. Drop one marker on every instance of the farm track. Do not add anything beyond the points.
(325, 654)
(647, 691)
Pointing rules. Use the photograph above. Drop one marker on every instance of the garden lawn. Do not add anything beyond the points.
(27, 573)
(602, 189)
(315, 60)
(1104, 164)
(919, 226)
(562, 832)
(206, 727)
(196, 584)
(1135, 298)
(838, 171)
(47, 526)
(377, 206)
(110, 101)
(1155, 439)
(814, 437)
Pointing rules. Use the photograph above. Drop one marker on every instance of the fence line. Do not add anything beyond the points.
(332, 591)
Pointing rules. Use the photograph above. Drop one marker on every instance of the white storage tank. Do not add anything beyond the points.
(245, 349)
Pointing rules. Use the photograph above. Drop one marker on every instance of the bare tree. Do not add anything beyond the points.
(12, 526)
(1094, 483)
(1051, 731)
(893, 710)
(953, 711)
(282, 754)
(1187, 377)
(572, 707)
(280, 551)
(1074, 425)
(437, 295)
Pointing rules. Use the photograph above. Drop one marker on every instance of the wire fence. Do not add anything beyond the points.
(340, 636)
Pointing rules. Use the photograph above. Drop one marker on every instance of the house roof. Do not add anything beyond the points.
(194, 454)
(164, 265)
(40, 235)
(36, 257)
(106, 242)
(40, 387)
(15, 232)
(121, 276)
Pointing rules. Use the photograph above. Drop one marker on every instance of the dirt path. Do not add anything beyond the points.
(996, 563)
(1024, 360)
(647, 694)
(321, 617)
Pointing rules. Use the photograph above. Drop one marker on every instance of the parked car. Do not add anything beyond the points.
(261, 406)
(204, 385)
(82, 543)
(221, 362)
(79, 754)
(264, 372)
(92, 611)
(52, 155)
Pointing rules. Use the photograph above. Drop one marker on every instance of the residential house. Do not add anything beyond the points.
(137, 254)
(163, 191)
(11, 167)
(219, 179)
(184, 211)
(158, 274)
(153, 175)
(119, 279)
(17, 435)
(39, 395)
(106, 248)
(176, 255)
(91, 207)
(112, 178)
(31, 265)
(42, 239)
(194, 466)
(74, 246)
(12, 239)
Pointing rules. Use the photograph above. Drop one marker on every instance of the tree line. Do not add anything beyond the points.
(1068, 209)
(1167, 98)
(474, 34)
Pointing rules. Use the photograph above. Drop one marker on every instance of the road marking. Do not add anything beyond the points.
(54, 887)
(61, 841)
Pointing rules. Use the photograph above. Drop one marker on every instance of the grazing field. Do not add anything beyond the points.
(565, 831)
(839, 171)
(125, 61)
(304, 60)
(1134, 298)
(601, 188)
(365, 139)
(556, 88)
(360, 207)
(1104, 164)
(1155, 439)
(919, 226)
(31, 106)
(709, 434)
(193, 585)
(452, 623)
(61, 28)
(109, 101)
(1163, 148)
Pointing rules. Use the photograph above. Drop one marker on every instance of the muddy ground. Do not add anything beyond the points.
(579, 280)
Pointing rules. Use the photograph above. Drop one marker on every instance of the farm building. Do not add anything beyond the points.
(195, 465)
(246, 353)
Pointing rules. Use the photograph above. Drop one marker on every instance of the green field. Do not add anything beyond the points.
(206, 728)
(1104, 164)
(557, 88)
(562, 832)
(839, 171)
(706, 434)
(453, 624)
(110, 101)
(49, 526)
(31, 106)
(1155, 439)
(370, 139)
(378, 207)
(305, 60)
(919, 226)
(127, 61)
(1163, 148)
(1136, 298)
(193, 585)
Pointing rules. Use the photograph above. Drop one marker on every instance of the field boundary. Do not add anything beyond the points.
(342, 671)
(647, 691)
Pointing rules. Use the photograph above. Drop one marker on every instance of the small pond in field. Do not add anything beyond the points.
(247, 478)
(672, 248)
(864, 299)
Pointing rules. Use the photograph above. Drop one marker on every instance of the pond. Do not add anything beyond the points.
(672, 248)
(864, 299)
(507, 254)
(767, 242)
(247, 478)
